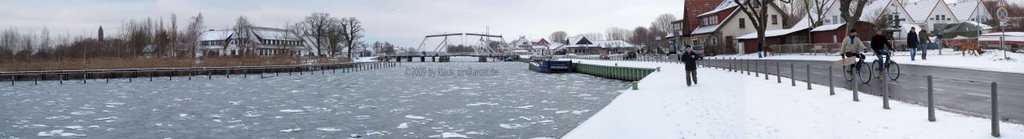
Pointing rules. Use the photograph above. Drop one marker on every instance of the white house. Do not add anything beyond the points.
(216, 42)
(719, 27)
(268, 42)
(927, 13)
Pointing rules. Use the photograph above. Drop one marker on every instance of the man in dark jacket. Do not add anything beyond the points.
(912, 42)
(880, 43)
(690, 61)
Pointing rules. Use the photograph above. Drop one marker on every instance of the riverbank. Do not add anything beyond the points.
(120, 63)
(731, 105)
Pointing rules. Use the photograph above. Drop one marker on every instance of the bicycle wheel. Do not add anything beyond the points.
(865, 73)
(848, 73)
(894, 70)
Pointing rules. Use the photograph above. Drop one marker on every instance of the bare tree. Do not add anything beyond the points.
(616, 33)
(352, 30)
(592, 36)
(664, 22)
(317, 25)
(815, 10)
(243, 35)
(845, 12)
(334, 35)
(192, 32)
(557, 36)
(757, 11)
(640, 36)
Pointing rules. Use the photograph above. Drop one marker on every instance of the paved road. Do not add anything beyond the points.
(960, 90)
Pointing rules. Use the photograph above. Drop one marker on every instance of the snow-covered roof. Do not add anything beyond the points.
(309, 43)
(275, 34)
(827, 27)
(612, 44)
(521, 41)
(726, 4)
(920, 10)
(216, 35)
(1017, 34)
(705, 29)
(801, 25)
(878, 6)
(964, 10)
(577, 40)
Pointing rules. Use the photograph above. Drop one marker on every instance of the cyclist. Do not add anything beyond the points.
(881, 45)
(851, 47)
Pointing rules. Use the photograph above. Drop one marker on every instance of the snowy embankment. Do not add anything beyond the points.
(991, 60)
(365, 59)
(732, 105)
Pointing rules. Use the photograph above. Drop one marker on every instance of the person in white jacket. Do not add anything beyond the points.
(852, 47)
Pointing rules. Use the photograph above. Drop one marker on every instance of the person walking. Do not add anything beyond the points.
(912, 42)
(925, 40)
(881, 45)
(690, 61)
(760, 50)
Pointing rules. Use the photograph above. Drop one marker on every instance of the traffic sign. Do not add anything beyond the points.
(1001, 13)
(1001, 3)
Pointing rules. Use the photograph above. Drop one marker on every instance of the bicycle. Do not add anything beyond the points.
(890, 67)
(864, 73)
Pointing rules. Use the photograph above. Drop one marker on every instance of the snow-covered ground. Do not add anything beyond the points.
(732, 105)
(365, 59)
(992, 60)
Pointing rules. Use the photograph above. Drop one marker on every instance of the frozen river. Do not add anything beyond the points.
(418, 100)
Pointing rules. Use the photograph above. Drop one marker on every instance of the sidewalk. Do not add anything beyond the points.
(731, 105)
(990, 61)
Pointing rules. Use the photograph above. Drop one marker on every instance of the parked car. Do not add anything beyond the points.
(629, 55)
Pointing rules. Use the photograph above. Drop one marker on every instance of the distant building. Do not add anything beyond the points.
(99, 35)
(269, 42)
(583, 45)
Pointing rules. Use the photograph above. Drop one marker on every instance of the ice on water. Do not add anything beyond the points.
(382, 103)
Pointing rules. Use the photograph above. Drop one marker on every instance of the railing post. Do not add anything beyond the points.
(746, 67)
(995, 111)
(808, 76)
(831, 88)
(730, 61)
(765, 70)
(85, 76)
(778, 72)
(61, 79)
(856, 84)
(756, 73)
(931, 101)
(885, 89)
(792, 74)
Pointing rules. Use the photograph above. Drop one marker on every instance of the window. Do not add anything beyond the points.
(743, 23)
(937, 17)
(775, 20)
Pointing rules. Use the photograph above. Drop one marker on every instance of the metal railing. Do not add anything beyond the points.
(744, 65)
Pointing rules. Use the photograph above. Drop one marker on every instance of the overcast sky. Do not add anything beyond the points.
(404, 22)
